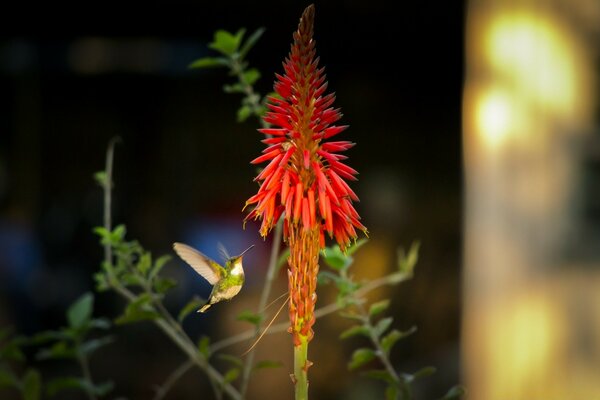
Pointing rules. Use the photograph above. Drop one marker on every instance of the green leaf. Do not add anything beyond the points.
(355, 331)
(407, 262)
(92, 345)
(32, 384)
(392, 392)
(225, 42)
(231, 375)
(58, 350)
(159, 263)
(118, 234)
(353, 316)
(12, 351)
(379, 307)
(335, 258)
(357, 245)
(192, 305)
(251, 41)
(139, 309)
(234, 88)
(360, 357)
(455, 393)
(163, 285)
(101, 178)
(144, 263)
(379, 374)
(59, 384)
(103, 233)
(422, 373)
(235, 361)
(7, 379)
(49, 336)
(243, 113)
(80, 312)
(263, 364)
(209, 62)
(382, 326)
(388, 341)
(249, 316)
(100, 323)
(204, 346)
(251, 76)
(325, 277)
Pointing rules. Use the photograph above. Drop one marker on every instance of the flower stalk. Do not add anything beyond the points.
(304, 181)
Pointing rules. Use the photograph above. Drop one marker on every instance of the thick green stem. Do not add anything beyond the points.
(301, 365)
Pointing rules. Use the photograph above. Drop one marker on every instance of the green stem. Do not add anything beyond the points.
(162, 391)
(300, 370)
(266, 292)
(85, 368)
(252, 97)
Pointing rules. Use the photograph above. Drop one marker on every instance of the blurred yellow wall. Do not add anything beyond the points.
(531, 312)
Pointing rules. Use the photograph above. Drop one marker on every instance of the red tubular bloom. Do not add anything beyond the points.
(304, 177)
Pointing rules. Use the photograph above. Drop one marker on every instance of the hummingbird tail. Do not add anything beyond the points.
(204, 308)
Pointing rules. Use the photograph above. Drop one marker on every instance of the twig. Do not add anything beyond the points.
(108, 195)
(162, 390)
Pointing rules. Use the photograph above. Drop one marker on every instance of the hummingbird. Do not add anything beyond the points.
(227, 280)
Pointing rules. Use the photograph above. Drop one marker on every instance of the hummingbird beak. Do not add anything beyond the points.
(245, 251)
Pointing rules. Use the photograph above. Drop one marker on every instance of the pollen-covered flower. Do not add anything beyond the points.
(306, 174)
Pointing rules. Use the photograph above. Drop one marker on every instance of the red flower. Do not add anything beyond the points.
(305, 175)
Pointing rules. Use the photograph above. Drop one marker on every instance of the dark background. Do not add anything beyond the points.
(182, 169)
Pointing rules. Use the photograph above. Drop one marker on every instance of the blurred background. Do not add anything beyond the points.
(476, 126)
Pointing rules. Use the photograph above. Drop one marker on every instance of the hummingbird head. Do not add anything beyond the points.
(239, 258)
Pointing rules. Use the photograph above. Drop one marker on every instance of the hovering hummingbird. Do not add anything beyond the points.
(227, 281)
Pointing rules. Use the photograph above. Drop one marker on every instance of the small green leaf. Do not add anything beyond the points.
(204, 346)
(102, 389)
(159, 263)
(209, 62)
(58, 350)
(382, 326)
(139, 309)
(263, 364)
(49, 336)
(249, 316)
(357, 245)
(335, 258)
(388, 341)
(235, 361)
(422, 373)
(226, 43)
(231, 375)
(379, 374)
(192, 305)
(407, 262)
(101, 178)
(379, 307)
(392, 392)
(251, 41)
(80, 312)
(234, 88)
(325, 277)
(243, 113)
(163, 285)
(355, 331)
(103, 233)
(32, 384)
(7, 379)
(353, 316)
(251, 76)
(59, 384)
(94, 344)
(360, 357)
(118, 234)
(100, 323)
(455, 393)
(144, 263)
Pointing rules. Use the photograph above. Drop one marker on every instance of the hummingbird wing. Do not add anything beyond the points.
(223, 251)
(204, 266)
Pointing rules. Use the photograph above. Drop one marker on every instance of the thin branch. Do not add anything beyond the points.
(162, 390)
(266, 292)
(108, 195)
